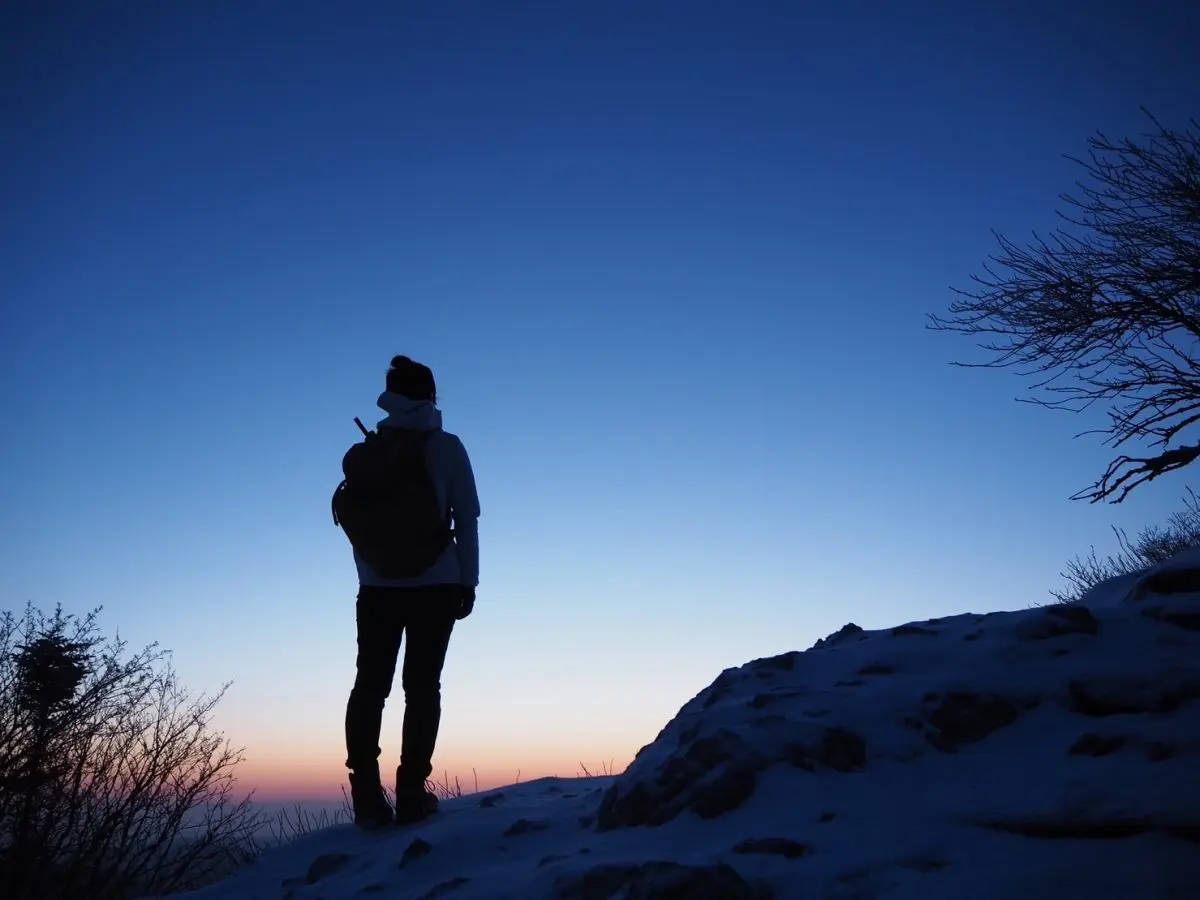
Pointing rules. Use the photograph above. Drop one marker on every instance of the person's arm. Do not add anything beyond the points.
(464, 504)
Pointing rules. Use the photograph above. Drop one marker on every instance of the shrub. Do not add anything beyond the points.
(112, 784)
(1153, 545)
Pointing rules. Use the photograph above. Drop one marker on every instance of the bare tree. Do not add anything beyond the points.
(1106, 310)
(112, 784)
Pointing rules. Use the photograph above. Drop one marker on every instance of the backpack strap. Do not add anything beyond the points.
(422, 438)
(333, 501)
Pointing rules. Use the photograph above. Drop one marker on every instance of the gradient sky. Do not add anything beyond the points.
(670, 263)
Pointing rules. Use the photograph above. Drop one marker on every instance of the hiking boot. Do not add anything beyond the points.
(413, 806)
(371, 807)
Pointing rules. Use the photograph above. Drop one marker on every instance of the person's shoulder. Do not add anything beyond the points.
(449, 442)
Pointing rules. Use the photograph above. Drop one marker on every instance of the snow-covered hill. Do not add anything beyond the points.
(1044, 753)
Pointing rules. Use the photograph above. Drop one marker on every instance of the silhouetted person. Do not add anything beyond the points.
(421, 609)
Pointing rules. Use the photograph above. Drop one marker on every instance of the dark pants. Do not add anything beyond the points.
(384, 616)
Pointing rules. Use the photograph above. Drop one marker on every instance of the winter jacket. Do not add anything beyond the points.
(454, 480)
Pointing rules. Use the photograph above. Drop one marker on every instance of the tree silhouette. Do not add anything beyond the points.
(1106, 310)
(112, 784)
(50, 670)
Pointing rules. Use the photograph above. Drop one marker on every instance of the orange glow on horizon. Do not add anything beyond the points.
(307, 779)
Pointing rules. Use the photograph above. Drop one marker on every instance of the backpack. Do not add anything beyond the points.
(387, 503)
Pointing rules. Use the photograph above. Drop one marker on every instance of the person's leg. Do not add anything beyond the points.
(380, 629)
(429, 615)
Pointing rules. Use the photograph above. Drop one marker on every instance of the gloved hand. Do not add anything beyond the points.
(466, 602)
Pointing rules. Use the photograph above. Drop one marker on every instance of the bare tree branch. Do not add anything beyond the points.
(1105, 310)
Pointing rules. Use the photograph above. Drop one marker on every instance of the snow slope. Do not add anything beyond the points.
(1044, 753)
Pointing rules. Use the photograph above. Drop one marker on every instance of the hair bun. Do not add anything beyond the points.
(411, 378)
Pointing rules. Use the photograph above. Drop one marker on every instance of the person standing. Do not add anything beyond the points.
(419, 608)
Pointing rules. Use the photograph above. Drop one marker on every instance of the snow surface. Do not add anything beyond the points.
(1043, 753)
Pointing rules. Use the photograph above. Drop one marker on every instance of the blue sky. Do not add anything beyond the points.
(670, 264)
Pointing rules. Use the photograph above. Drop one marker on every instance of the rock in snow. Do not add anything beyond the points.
(1044, 753)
